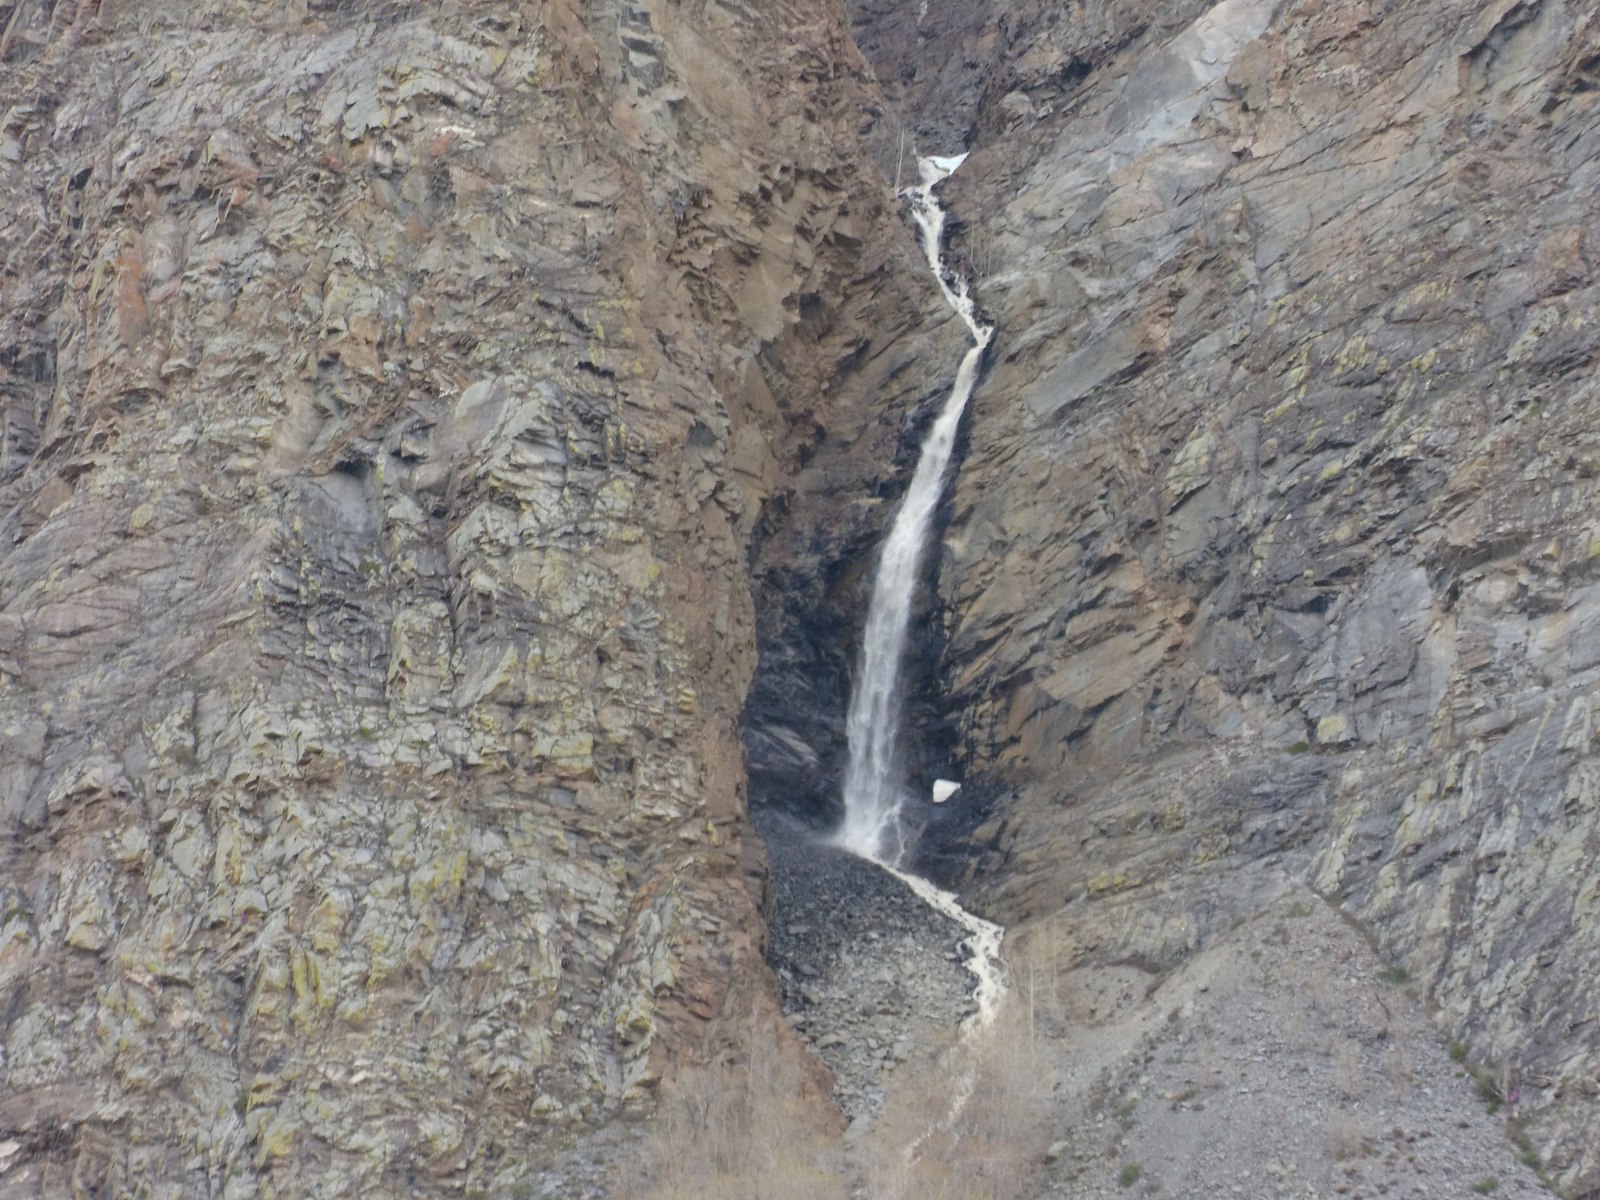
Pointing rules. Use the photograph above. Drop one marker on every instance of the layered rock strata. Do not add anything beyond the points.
(412, 418)
(1275, 555)
(389, 395)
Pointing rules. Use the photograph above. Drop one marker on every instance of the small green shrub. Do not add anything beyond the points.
(1394, 975)
(1131, 1174)
(1486, 1185)
(1458, 1051)
(1299, 747)
(1489, 1091)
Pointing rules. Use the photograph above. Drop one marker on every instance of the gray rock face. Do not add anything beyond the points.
(1275, 544)
(413, 418)
(389, 394)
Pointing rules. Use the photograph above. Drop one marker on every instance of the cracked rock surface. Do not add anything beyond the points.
(416, 421)
(388, 394)
(1276, 542)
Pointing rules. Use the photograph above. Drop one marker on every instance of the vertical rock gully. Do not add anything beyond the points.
(874, 791)
(444, 449)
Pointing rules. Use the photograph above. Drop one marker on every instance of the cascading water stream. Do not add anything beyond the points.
(874, 790)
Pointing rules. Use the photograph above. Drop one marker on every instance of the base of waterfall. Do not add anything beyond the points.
(1280, 1050)
(872, 977)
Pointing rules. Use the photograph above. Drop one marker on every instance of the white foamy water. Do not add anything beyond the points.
(874, 789)
(981, 945)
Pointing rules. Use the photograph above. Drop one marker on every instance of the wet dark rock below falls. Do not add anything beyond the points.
(871, 977)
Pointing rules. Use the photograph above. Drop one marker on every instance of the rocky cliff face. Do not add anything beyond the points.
(389, 395)
(412, 419)
(1274, 555)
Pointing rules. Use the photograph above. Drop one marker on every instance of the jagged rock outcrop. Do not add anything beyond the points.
(413, 417)
(1274, 554)
(389, 396)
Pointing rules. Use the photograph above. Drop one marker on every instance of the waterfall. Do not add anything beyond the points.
(874, 789)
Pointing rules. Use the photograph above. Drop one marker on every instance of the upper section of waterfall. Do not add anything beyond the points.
(929, 215)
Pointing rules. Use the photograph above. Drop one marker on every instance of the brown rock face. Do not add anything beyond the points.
(414, 417)
(1274, 554)
(389, 394)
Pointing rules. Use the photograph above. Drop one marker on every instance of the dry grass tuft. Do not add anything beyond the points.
(1347, 1139)
(975, 1126)
(745, 1132)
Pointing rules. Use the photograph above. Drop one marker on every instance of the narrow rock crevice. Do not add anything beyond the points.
(873, 964)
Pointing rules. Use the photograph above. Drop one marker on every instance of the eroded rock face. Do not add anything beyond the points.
(390, 393)
(401, 405)
(1274, 555)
